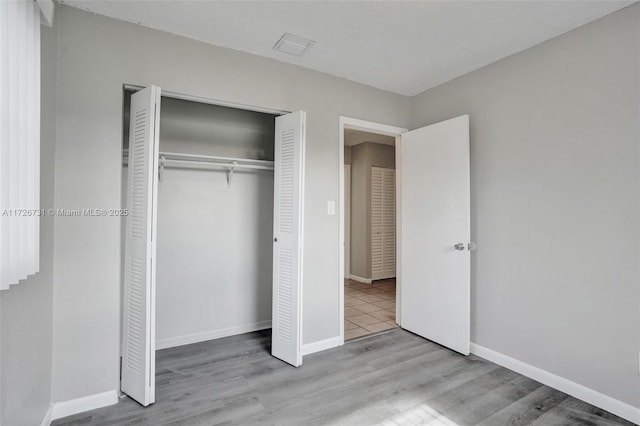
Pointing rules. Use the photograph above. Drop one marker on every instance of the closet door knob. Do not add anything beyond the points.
(459, 246)
(275, 240)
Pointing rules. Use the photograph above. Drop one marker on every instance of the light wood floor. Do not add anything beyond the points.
(369, 308)
(395, 378)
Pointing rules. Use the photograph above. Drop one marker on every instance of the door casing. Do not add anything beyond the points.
(383, 129)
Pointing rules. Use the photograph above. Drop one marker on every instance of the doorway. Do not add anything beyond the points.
(369, 284)
(433, 247)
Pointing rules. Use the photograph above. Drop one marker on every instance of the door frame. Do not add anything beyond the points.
(383, 129)
(347, 219)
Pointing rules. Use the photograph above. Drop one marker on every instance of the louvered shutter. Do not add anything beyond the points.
(383, 223)
(287, 231)
(389, 223)
(377, 223)
(138, 349)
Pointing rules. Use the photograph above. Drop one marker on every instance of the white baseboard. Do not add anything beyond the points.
(322, 345)
(210, 335)
(360, 279)
(48, 416)
(576, 390)
(86, 403)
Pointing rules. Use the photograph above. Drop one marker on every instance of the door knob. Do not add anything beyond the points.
(472, 246)
(459, 246)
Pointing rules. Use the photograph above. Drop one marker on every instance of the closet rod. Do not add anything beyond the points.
(209, 160)
(175, 159)
(213, 158)
(238, 165)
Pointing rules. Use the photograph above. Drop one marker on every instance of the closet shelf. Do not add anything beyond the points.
(188, 161)
(217, 160)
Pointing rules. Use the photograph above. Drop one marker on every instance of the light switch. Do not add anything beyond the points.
(331, 207)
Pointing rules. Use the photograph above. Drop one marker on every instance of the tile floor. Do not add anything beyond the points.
(369, 308)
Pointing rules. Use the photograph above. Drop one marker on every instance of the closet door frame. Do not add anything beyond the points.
(192, 98)
(383, 129)
(210, 101)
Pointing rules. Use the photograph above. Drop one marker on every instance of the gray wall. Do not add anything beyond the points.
(347, 155)
(214, 241)
(554, 175)
(198, 128)
(214, 254)
(554, 182)
(363, 157)
(26, 309)
(96, 56)
(359, 265)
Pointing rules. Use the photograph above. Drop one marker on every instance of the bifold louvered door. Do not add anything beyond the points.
(383, 223)
(138, 343)
(288, 203)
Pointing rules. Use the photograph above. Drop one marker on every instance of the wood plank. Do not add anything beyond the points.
(525, 410)
(395, 378)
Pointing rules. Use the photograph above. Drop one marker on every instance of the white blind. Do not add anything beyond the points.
(19, 140)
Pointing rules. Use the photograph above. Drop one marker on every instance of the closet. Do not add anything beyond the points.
(383, 223)
(211, 243)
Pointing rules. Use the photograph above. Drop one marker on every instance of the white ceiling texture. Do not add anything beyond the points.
(404, 47)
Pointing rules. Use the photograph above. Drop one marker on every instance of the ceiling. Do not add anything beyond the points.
(354, 137)
(404, 47)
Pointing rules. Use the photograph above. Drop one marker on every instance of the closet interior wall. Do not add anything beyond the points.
(214, 246)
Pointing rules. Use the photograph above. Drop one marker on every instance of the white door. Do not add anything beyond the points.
(286, 339)
(435, 232)
(138, 325)
(383, 223)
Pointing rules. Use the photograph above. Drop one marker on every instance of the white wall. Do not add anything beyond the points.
(26, 309)
(96, 56)
(555, 202)
(214, 254)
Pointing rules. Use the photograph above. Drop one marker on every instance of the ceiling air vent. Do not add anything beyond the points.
(293, 44)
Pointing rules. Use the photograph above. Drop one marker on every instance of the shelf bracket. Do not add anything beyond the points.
(230, 171)
(161, 168)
